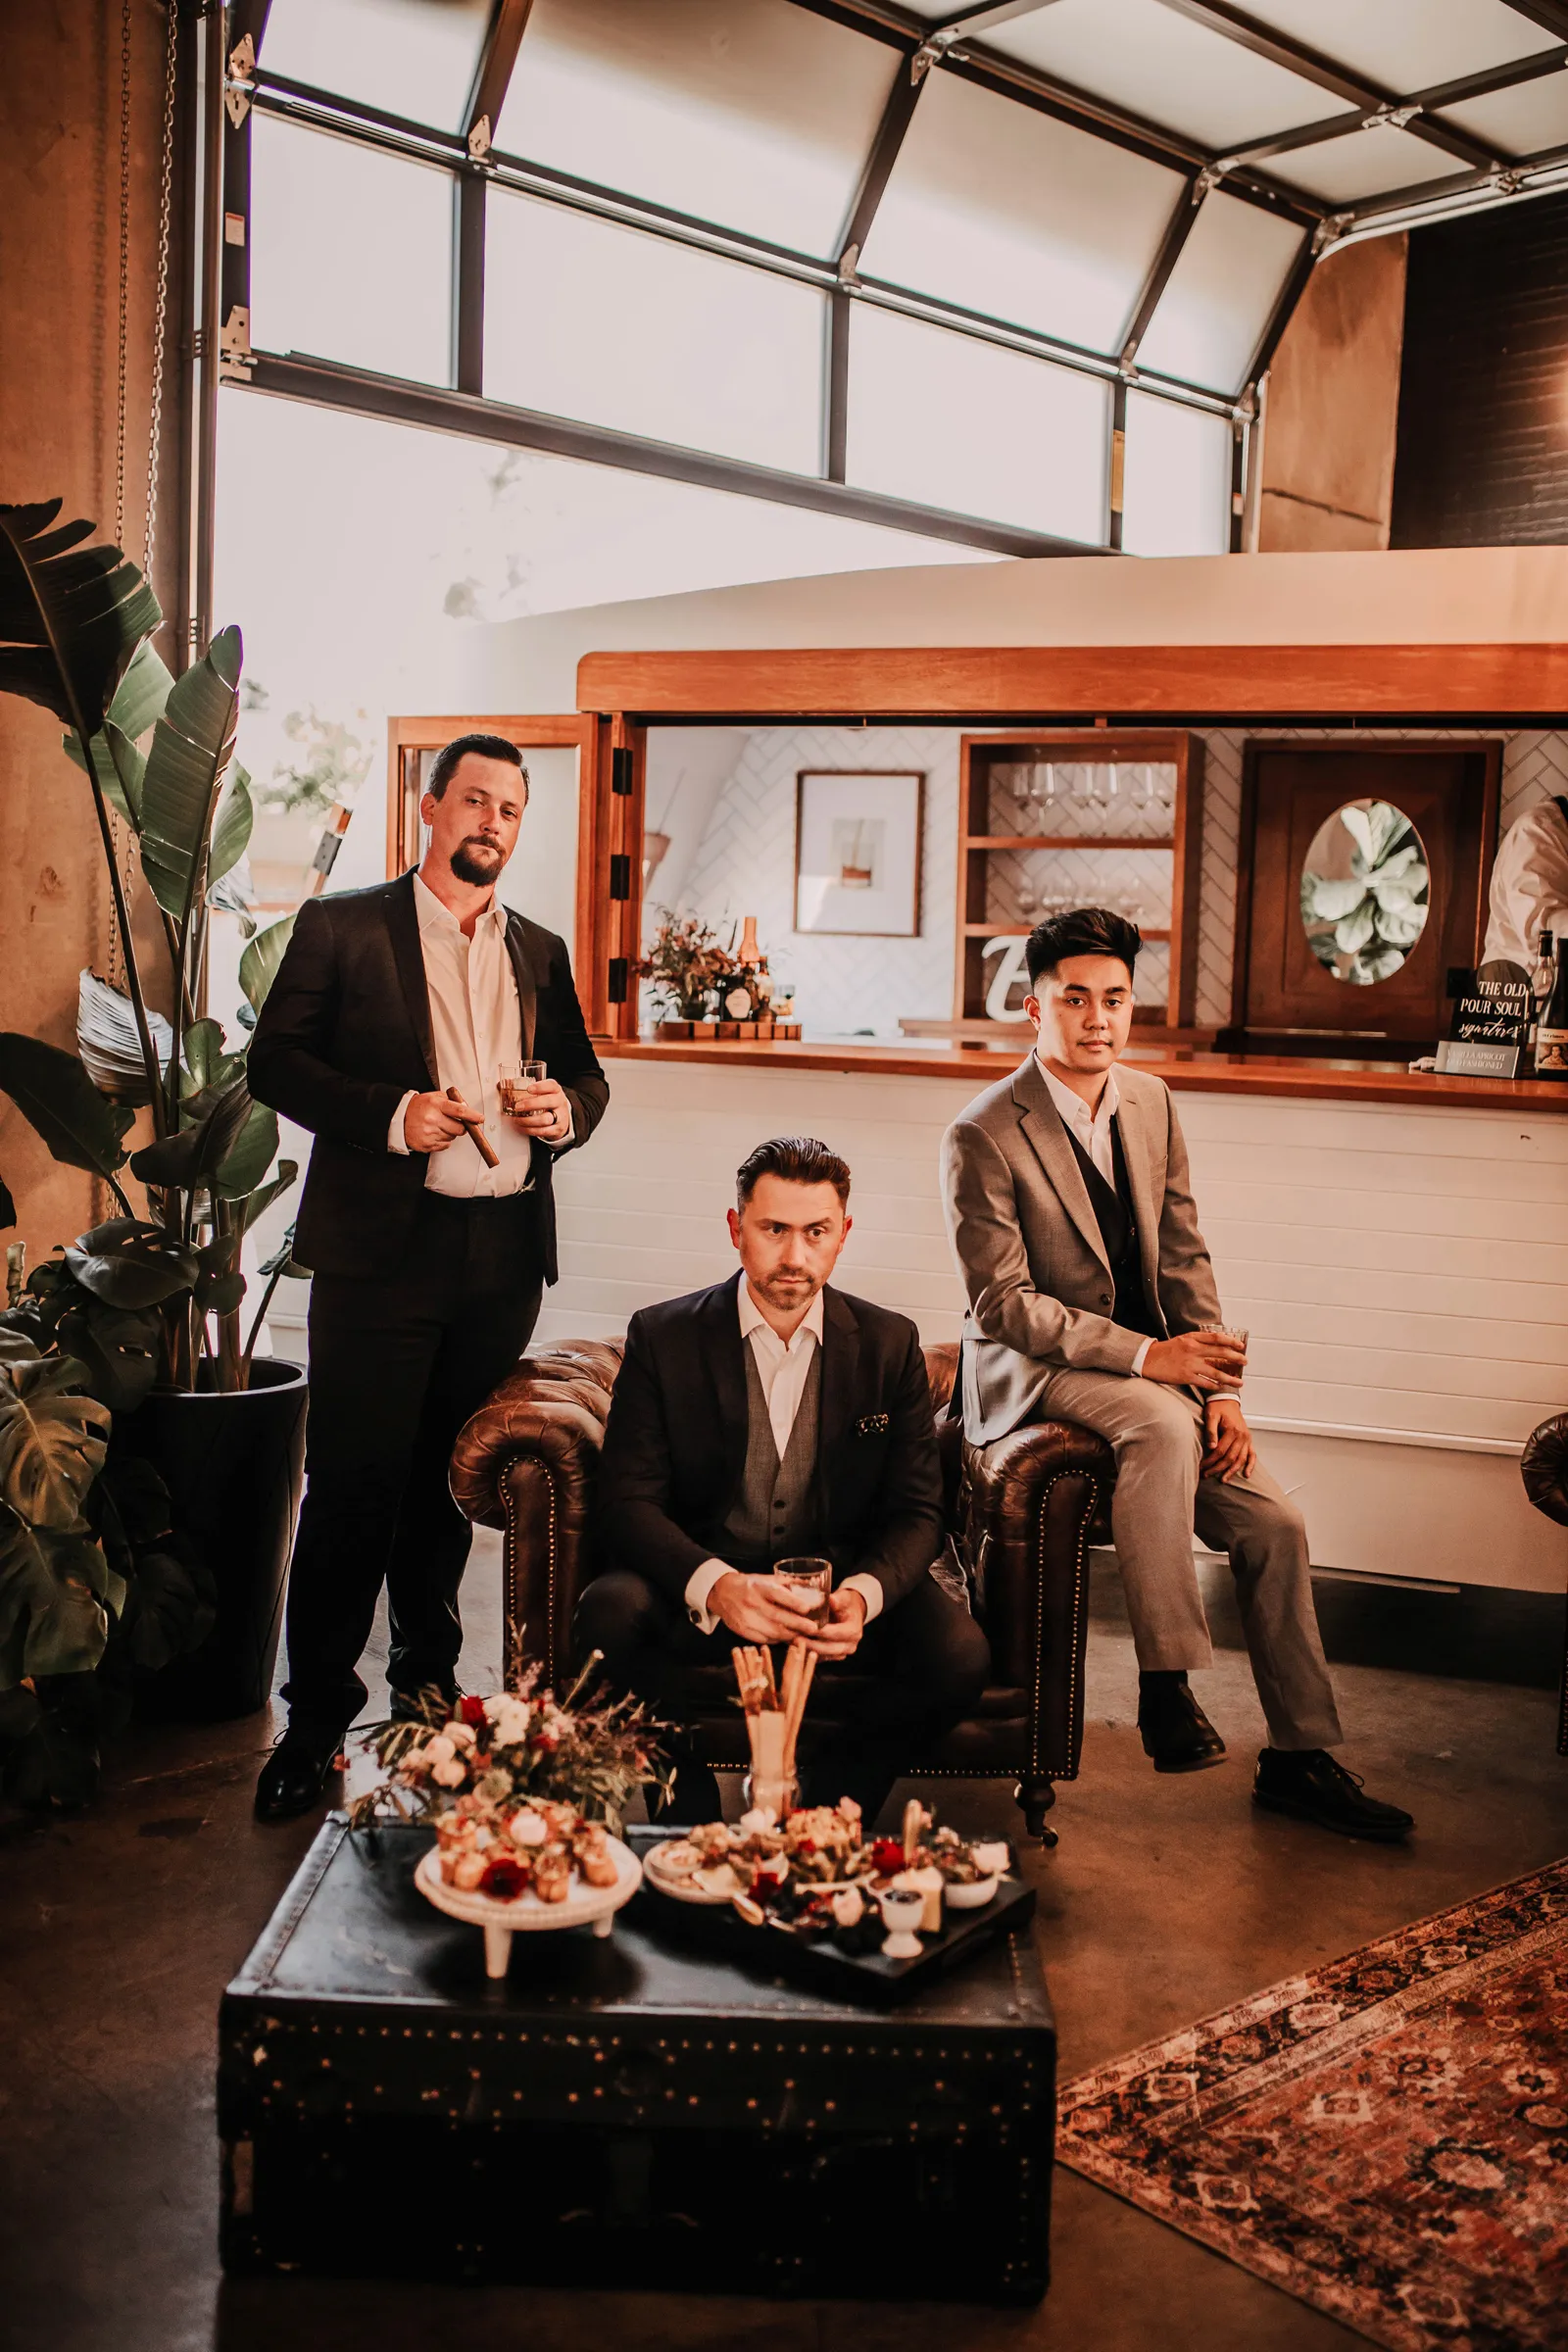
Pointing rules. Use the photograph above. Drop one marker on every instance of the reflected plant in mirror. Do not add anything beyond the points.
(1364, 891)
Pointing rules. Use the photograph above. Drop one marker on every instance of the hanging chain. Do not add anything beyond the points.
(124, 267)
(161, 312)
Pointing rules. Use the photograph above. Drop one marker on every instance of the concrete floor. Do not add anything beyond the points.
(1165, 1899)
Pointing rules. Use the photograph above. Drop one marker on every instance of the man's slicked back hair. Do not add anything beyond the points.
(487, 747)
(797, 1159)
(1082, 931)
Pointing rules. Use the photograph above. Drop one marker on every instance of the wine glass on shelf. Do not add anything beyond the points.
(1042, 794)
(1107, 787)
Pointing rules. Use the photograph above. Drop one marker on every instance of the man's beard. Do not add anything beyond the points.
(477, 861)
(787, 1294)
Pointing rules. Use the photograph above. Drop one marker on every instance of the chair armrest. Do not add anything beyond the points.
(526, 1462)
(1543, 1467)
(1028, 1507)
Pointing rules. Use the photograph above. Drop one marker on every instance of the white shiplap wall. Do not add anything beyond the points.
(1403, 1273)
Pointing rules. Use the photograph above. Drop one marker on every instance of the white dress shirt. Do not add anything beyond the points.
(783, 1367)
(1092, 1131)
(475, 1025)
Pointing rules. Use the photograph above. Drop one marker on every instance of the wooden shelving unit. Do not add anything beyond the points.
(983, 910)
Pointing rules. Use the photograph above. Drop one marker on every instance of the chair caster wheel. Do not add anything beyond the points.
(1037, 1799)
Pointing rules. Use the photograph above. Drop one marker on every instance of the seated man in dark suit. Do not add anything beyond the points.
(768, 1418)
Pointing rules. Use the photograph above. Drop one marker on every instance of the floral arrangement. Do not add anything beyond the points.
(1364, 924)
(687, 962)
(487, 1761)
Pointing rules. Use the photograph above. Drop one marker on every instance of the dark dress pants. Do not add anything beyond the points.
(399, 1362)
(920, 1667)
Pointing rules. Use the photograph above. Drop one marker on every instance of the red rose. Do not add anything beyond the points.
(470, 1710)
(504, 1879)
(886, 1856)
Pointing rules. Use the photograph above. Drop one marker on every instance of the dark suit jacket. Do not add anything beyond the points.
(675, 1442)
(344, 1034)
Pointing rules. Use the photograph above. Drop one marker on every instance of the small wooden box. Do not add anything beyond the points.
(678, 1032)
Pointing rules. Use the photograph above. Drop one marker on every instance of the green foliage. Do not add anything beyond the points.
(54, 1096)
(54, 1589)
(258, 966)
(192, 1157)
(334, 765)
(130, 1263)
(1362, 924)
(71, 616)
(52, 1441)
(192, 746)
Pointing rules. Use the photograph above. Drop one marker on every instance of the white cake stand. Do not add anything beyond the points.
(584, 1905)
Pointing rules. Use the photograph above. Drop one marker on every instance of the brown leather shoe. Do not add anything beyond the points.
(1175, 1731)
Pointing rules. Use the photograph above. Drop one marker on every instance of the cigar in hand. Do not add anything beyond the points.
(486, 1150)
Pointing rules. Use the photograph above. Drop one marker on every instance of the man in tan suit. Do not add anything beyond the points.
(1092, 1298)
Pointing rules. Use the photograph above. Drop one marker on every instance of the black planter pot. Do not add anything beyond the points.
(234, 1466)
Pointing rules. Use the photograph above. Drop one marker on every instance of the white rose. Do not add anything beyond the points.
(439, 1750)
(462, 1733)
(448, 1774)
(528, 1828)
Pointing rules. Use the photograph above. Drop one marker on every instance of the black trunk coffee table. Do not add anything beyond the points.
(623, 2112)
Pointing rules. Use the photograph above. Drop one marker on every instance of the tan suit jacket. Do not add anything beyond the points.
(1029, 1247)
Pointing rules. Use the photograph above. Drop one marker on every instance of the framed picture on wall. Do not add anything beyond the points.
(857, 851)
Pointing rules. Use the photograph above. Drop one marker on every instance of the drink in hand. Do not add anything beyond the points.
(807, 1585)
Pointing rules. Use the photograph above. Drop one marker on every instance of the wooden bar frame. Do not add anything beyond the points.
(1173, 747)
(1487, 750)
(407, 738)
(1504, 685)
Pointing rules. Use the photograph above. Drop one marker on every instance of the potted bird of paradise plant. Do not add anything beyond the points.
(141, 1316)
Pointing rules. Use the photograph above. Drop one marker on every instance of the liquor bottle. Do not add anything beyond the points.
(1551, 1034)
(746, 996)
(1541, 980)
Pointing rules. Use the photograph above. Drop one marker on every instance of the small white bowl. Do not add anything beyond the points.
(969, 1894)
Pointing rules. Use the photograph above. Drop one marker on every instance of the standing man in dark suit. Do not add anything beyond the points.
(771, 1418)
(429, 1263)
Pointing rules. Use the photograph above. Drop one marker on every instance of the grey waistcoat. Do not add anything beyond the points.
(774, 1515)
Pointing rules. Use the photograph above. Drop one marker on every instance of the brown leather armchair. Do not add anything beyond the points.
(1545, 1471)
(1022, 1513)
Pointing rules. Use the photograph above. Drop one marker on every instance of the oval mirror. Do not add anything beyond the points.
(1364, 891)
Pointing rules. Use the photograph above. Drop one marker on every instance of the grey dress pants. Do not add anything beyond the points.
(1156, 1434)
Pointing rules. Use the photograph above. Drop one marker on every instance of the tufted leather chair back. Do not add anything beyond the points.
(1020, 1514)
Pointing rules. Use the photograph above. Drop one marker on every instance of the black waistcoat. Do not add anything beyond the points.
(1118, 1230)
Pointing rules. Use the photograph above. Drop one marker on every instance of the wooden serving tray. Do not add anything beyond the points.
(866, 1978)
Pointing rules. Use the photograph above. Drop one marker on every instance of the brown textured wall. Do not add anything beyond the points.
(59, 192)
(1333, 404)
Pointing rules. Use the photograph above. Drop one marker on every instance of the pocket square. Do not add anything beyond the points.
(872, 1425)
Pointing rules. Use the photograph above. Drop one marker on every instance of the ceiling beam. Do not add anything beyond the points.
(897, 116)
(985, 19)
(325, 385)
(1551, 15)
(1009, 77)
(1179, 227)
(492, 76)
(1311, 65)
(1438, 94)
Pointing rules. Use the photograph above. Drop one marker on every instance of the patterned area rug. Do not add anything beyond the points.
(1386, 2139)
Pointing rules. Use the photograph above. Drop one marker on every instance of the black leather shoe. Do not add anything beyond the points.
(295, 1775)
(1311, 1785)
(1175, 1731)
